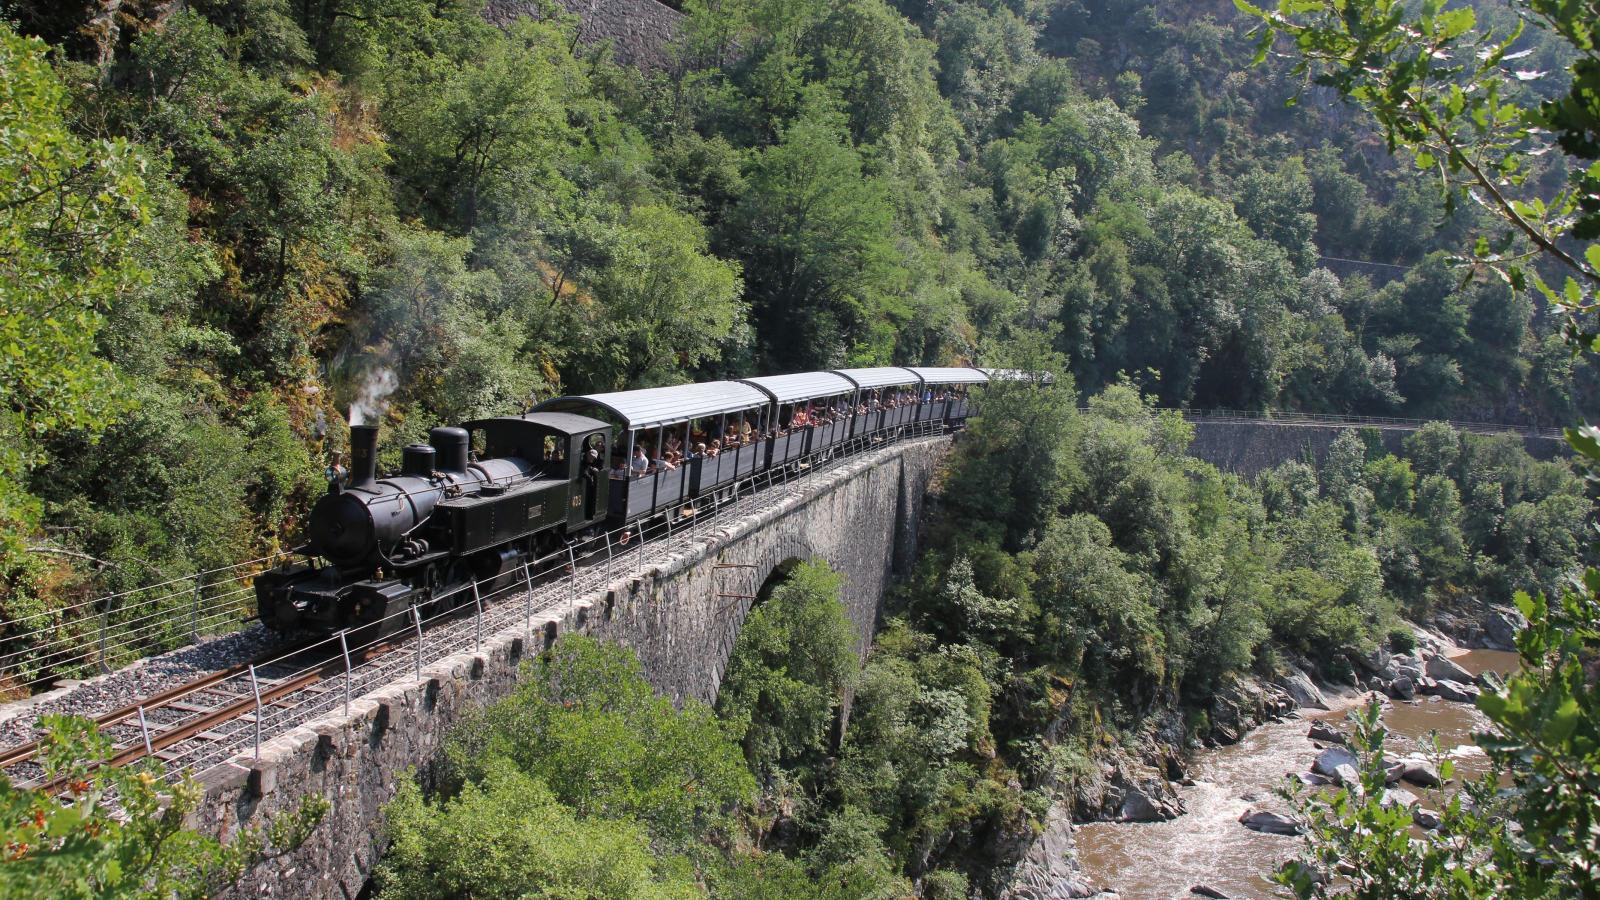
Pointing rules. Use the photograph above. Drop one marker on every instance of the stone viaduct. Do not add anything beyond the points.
(680, 612)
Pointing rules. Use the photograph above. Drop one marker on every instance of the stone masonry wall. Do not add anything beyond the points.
(860, 518)
(640, 32)
(1250, 448)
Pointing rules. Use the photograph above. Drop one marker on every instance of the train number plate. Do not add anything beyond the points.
(536, 513)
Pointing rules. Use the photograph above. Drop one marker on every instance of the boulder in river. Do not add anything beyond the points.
(1206, 890)
(1347, 776)
(1321, 732)
(1269, 822)
(1301, 689)
(1398, 797)
(1455, 690)
(1402, 688)
(1332, 758)
(1490, 681)
(1420, 772)
(1393, 773)
(1443, 668)
(1139, 806)
(1424, 818)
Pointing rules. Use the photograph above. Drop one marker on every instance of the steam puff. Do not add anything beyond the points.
(375, 391)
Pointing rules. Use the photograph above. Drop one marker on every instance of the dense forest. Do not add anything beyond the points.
(398, 210)
(1087, 589)
(229, 227)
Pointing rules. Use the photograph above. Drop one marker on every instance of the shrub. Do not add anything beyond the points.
(1402, 640)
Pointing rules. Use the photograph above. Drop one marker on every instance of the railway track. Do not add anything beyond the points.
(222, 714)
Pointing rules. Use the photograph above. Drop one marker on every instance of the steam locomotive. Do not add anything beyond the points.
(478, 501)
(450, 517)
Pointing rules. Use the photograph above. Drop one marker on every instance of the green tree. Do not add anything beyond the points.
(819, 256)
(68, 212)
(587, 725)
(120, 831)
(791, 667)
(1444, 90)
(482, 113)
(665, 303)
(507, 836)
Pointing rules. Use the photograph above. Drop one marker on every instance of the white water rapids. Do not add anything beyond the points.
(1207, 845)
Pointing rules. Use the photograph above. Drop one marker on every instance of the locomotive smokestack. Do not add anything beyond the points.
(363, 455)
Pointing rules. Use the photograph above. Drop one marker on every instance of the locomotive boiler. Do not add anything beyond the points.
(471, 505)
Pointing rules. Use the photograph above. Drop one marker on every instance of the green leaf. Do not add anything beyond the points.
(1562, 723)
(63, 821)
(1585, 440)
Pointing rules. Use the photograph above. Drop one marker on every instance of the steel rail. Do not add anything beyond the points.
(564, 561)
(24, 752)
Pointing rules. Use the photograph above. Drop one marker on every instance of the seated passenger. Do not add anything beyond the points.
(716, 448)
(641, 462)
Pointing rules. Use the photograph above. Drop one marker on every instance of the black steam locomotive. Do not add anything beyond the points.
(451, 516)
(477, 502)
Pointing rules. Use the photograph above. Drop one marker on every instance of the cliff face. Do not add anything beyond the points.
(640, 31)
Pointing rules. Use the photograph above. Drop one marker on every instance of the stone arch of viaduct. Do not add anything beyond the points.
(680, 613)
(683, 620)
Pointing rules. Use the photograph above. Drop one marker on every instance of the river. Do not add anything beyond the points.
(1207, 845)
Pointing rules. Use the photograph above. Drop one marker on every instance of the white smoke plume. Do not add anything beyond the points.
(374, 399)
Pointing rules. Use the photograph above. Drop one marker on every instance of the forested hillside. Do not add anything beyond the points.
(230, 228)
(396, 210)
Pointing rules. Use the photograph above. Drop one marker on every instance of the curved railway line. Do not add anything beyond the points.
(228, 712)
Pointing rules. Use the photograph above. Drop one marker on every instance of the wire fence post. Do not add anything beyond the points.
(477, 618)
(105, 629)
(144, 729)
(194, 616)
(527, 615)
(416, 617)
(255, 688)
(572, 580)
(641, 547)
(608, 556)
(344, 648)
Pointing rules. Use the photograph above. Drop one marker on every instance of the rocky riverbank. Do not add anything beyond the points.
(1126, 788)
(1126, 812)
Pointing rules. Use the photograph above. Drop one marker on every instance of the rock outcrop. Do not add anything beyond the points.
(1245, 704)
(1302, 689)
(1049, 870)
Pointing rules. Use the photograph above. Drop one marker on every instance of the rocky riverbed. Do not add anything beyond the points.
(1162, 856)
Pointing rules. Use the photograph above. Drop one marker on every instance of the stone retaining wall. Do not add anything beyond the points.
(1250, 448)
(860, 518)
(640, 32)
